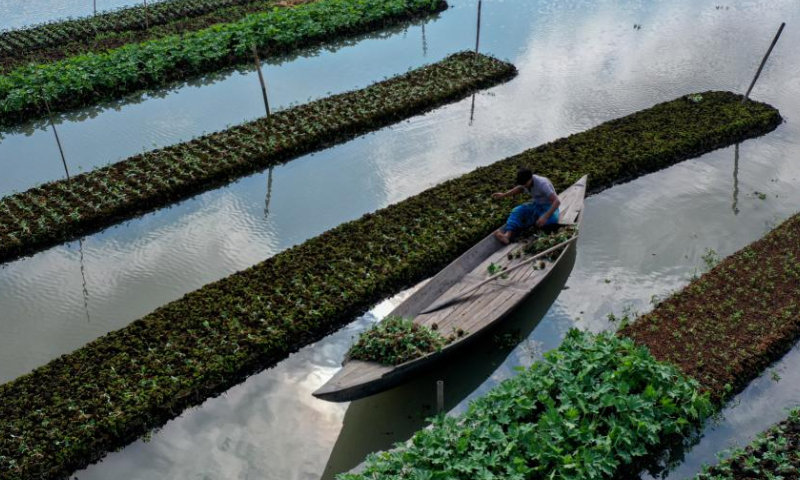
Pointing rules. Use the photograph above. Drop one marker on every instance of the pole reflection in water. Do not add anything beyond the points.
(378, 422)
(424, 42)
(83, 279)
(736, 179)
(269, 193)
(472, 111)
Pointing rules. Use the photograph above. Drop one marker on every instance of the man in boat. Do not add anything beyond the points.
(541, 210)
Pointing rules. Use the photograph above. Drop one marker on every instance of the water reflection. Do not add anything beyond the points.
(472, 110)
(378, 422)
(269, 193)
(736, 180)
(84, 287)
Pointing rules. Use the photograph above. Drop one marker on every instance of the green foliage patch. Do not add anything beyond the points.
(104, 395)
(590, 409)
(395, 340)
(91, 77)
(774, 455)
(20, 41)
(63, 209)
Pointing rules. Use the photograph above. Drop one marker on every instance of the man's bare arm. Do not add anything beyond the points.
(514, 191)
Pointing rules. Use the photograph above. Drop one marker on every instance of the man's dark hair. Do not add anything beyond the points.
(523, 175)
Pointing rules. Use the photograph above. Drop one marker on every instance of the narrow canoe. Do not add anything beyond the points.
(472, 315)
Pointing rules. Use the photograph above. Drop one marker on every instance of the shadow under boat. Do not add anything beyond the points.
(378, 422)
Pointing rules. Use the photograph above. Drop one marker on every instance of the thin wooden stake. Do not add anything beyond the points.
(439, 396)
(146, 17)
(94, 7)
(478, 32)
(771, 46)
(55, 132)
(261, 79)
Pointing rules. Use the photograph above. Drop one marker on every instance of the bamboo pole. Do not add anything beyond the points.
(439, 396)
(763, 61)
(55, 132)
(94, 7)
(261, 79)
(146, 17)
(478, 31)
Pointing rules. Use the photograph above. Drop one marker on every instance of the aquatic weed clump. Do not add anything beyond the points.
(396, 340)
(592, 408)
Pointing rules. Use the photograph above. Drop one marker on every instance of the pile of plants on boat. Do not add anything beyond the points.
(91, 77)
(68, 208)
(395, 340)
(728, 325)
(774, 455)
(595, 408)
(535, 241)
(118, 387)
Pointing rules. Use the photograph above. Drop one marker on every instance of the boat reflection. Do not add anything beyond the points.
(378, 422)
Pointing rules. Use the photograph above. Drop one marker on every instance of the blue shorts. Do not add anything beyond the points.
(525, 215)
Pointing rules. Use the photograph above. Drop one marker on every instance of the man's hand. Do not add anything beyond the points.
(540, 222)
(498, 195)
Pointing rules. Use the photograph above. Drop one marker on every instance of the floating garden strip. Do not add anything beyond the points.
(68, 413)
(728, 325)
(16, 43)
(595, 408)
(775, 454)
(91, 77)
(64, 209)
(60, 40)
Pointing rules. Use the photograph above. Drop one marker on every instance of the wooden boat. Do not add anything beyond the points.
(474, 312)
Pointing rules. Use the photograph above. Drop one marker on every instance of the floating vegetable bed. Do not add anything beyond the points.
(73, 410)
(728, 325)
(63, 209)
(91, 77)
(56, 40)
(775, 454)
(594, 408)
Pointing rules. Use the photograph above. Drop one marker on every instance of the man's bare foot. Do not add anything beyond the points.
(502, 237)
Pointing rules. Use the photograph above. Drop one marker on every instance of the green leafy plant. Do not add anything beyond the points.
(396, 340)
(593, 407)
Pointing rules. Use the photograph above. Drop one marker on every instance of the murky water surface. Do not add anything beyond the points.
(580, 62)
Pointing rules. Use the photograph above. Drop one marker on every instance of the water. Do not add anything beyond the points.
(581, 63)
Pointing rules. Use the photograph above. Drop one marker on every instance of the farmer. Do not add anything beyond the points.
(540, 211)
